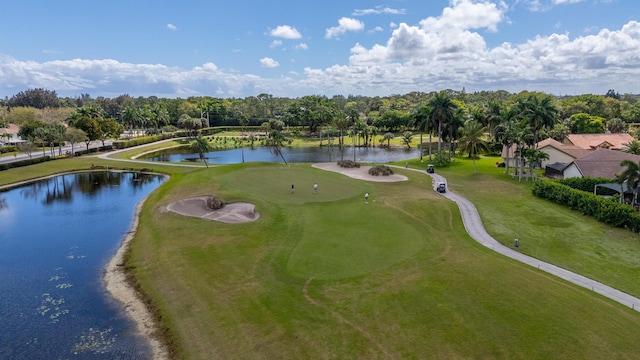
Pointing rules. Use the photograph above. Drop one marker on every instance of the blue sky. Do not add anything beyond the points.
(295, 48)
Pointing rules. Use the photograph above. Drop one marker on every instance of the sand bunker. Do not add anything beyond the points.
(361, 173)
(232, 213)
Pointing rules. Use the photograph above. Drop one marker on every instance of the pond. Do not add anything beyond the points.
(56, 237)
(291, 154)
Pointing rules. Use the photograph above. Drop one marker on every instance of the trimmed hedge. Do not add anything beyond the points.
(8, 149)
(123, 144)
(588, 184)
(26, 162)
(602, 209)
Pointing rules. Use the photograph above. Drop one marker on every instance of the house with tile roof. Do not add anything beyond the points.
(559, 152)
(9, 136)
(596, 141)
(600, 163)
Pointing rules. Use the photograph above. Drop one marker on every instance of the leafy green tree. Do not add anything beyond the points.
(74, 135)
(472, 141)
(36, 98)
(109, 128)
(616, 126)
(582, 123)
(28, 130)
(90, 126)
(201, 146)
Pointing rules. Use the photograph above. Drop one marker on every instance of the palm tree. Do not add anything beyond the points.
(472, 141)
(535, 156)
(632, 147)
(631, 175)
(538, 113)
(387, 137)
(276, 141)
(407, 137)
(441, 110)
(506, 134)
(421, 121)
(201, 146)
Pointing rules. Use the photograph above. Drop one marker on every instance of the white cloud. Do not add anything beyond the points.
(344, 24)
(376, 29)
(268, 62)
(567, 1)
(302, 46)
(467, 15)
(275, 43)
(379, 10)
(285, 32)
(172, 27)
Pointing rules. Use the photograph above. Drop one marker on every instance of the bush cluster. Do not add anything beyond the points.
(380, 170)
(348, 164)
(602, 209)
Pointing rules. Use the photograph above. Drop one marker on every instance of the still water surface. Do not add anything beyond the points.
(56, 236)
(294, 154)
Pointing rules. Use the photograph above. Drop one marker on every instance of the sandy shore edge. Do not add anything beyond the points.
(116, 284)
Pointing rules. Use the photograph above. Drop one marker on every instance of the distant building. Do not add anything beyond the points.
(9, 136)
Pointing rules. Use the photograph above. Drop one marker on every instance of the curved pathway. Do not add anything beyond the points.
(473, 225)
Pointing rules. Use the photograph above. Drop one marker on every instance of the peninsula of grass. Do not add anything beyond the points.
(327, 276)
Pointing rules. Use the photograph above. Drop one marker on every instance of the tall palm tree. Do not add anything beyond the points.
(201, 146)
(420, 119)
(276, 141)
(441, 110)
(506, 134)
(472, 141)
(538, 113)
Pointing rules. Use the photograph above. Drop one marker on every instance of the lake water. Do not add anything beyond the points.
(294, 154)
(56, 237)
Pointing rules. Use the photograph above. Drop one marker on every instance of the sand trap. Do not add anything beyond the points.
(231, 213)
(361, 173)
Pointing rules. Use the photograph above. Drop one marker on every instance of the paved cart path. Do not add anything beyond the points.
(475, 228)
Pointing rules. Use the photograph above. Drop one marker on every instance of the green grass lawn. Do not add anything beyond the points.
(547, 231)
(326, 276)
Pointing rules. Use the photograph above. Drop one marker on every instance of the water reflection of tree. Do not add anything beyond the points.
(58, 189)
(3, 204)
(91, 183)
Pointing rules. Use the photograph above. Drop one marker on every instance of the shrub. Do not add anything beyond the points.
(603, 209)
(380, 170)
(348, 164)
(442, 158)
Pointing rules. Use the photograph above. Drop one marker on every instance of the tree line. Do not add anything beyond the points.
(487, 119)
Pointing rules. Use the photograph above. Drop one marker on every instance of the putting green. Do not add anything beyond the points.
(333, 233)
(274, 183)
(353, 239)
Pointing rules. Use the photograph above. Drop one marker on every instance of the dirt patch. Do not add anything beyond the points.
(361, 173)
(231, 213)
